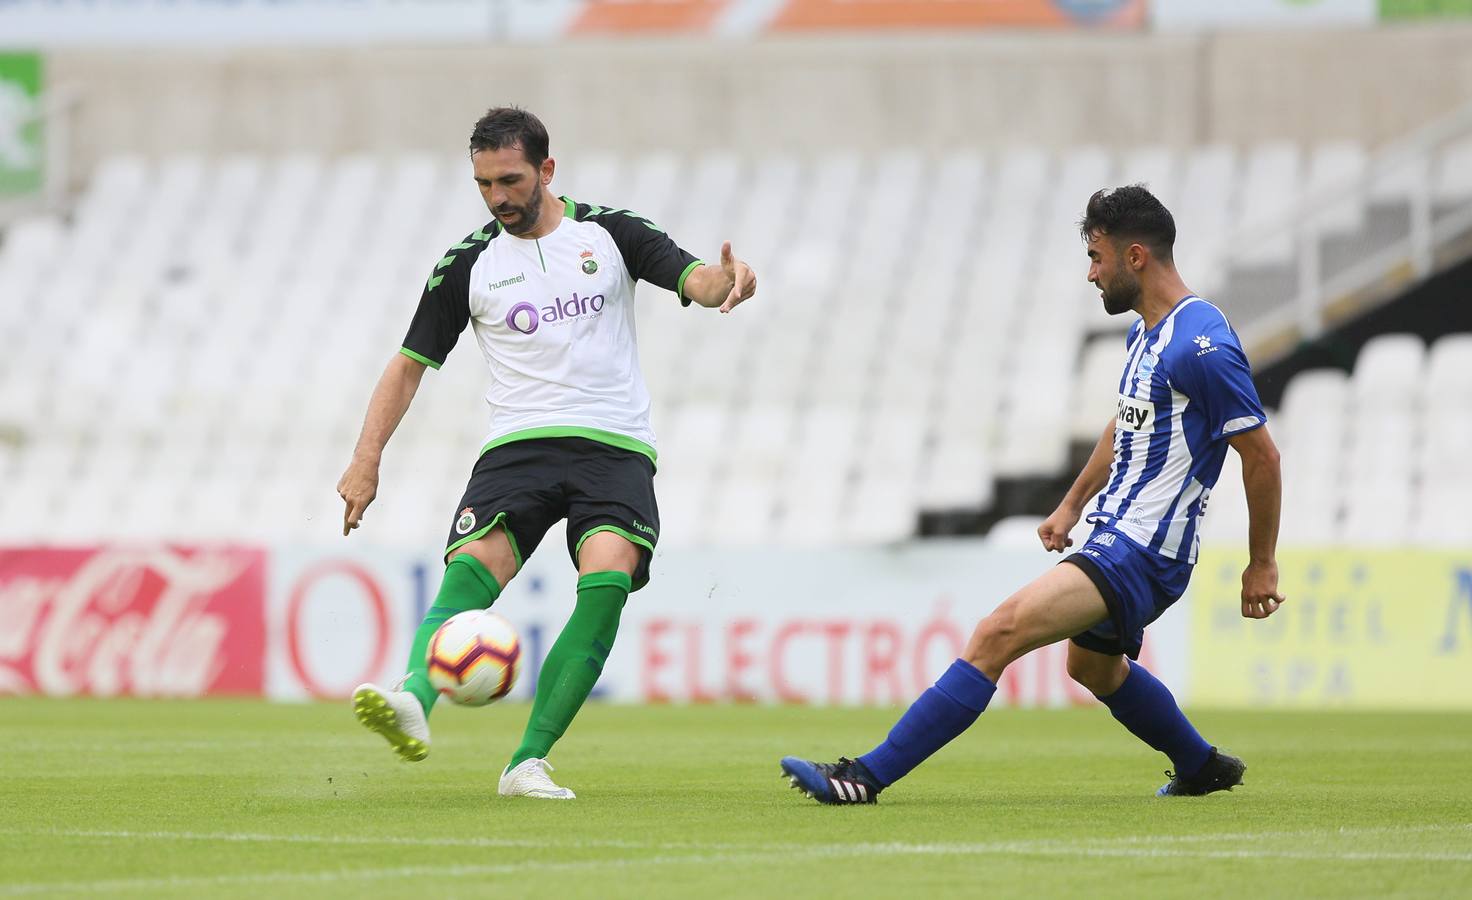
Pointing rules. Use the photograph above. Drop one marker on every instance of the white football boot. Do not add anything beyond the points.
(397, 716)
(530, 779)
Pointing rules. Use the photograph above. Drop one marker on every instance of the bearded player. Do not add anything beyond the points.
(1186, 395)
(547, 287)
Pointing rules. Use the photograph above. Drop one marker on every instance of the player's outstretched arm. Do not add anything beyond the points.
(1054, 530)
(725, 286)
(359, 484)
(1262, 478)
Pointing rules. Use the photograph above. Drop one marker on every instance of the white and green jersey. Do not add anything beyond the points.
(554, 318)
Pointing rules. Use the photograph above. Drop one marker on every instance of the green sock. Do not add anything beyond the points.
(468, 584)
(574, 662)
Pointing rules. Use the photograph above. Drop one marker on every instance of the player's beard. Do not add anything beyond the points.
(1121, 293)
(526, 216)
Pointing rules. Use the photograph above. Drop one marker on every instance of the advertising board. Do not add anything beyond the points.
(1192, 15)
(22, 156)
(1372, 629)
(147, 621)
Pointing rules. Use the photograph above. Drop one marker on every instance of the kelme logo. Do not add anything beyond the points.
(590, 265)
(466, 522)
(526, 318)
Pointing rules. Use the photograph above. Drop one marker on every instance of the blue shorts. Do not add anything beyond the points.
(1138, 586)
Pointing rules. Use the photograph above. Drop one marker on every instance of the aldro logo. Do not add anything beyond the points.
(527, 318)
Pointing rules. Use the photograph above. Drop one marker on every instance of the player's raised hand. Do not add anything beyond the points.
(1054, 530)
(743, 280)
(1260, 597)
(357, 487)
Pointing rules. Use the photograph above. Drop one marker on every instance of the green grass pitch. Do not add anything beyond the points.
(245, 799)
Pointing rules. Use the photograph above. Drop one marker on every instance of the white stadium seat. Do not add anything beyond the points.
(1271, 182)
(1449, 370)
(1443, 515)
(1376, 518)
(956, 476)
(1016, 532)
(1226, 509)
(1388, 373)
(1097, 387)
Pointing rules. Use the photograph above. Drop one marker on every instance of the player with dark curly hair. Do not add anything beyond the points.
(1185, 396)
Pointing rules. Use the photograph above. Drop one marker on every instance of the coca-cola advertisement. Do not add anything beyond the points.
(146, 621)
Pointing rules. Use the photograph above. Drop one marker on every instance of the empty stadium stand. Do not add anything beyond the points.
(923, 334)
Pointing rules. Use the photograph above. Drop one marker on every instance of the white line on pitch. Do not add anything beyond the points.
(1346, 831)
(368, 840)
(355, 840)
(1046, 848)
(1015, 848)
(322, 877)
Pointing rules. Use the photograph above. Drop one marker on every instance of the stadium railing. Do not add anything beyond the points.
(1417, 196)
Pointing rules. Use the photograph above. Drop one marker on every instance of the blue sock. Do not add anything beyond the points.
(1145, 706)
(941, 713)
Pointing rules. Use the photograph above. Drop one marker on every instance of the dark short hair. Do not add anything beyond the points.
(509, 126)
(1130, 213)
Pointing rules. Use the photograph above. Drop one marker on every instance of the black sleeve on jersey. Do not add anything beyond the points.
(444, 307)
(649, 254)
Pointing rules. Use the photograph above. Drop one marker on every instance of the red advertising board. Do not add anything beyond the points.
(865, 659)
(751, 16)
(148, 620)
(809, 15)
(647, 16)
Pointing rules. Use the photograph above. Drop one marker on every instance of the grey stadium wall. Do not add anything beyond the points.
(797, 94)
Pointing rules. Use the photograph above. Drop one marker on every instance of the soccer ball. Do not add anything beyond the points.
(474, 658)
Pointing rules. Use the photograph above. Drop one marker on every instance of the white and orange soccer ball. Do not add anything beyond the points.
(474, 658)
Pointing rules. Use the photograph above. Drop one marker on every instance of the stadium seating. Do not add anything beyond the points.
(923, 329)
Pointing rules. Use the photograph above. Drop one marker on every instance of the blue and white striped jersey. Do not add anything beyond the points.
(1186, 388)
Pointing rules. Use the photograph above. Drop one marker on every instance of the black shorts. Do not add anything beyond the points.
(527, 486)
